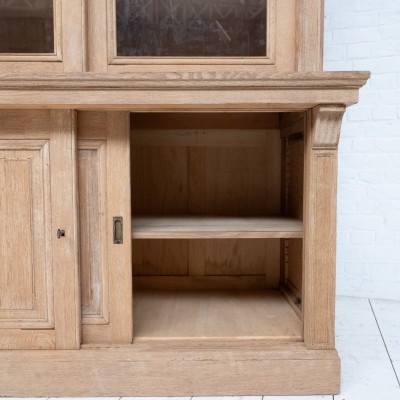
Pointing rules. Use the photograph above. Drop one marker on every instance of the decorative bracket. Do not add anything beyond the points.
(326, 122)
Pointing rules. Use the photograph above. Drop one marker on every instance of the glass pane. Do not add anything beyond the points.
(191, 28)
(26, 26)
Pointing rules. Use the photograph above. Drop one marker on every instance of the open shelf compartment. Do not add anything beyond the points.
(214, 314)
(217, 227)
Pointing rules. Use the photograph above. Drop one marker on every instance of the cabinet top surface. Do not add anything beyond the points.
(192, 90)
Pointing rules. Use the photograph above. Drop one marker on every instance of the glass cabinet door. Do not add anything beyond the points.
(192, 35)
(191, 28)
(27, 27)
(42, 35)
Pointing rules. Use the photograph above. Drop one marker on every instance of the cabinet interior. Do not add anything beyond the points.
(216, 225)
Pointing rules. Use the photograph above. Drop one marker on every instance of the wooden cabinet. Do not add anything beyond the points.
(168, 208)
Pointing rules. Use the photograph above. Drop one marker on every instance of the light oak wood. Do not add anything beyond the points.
(272, 369)
(107, 135)
(93, 227)
(171, 314)
(309, 35)
(203, 138)
(95, 333)
(180, 79)
(241, 150)
(97, 58)
(204, 282)
(221, 263)
(292, 296)
(292, 134)
(26, 287)
(65, 216)
(160, 257)
(320, 225)
(119, 204)
(203, 180)
(294, 275)
(17, 339)
(187, 227)
(44, 289)
(146, 91)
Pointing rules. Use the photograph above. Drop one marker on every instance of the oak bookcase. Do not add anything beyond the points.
(168, 203)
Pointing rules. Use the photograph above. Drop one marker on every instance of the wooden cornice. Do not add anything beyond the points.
(177, 90)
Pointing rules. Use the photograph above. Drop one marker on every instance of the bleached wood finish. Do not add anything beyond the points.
(207, 282)
(92, 182)
(97, 56)
(69, 38)
(239, 91)
(206, 179)
(272, 369)
(172, 314)
(221, 139)
(202, 264)
(107, 133)
(309, 35)
(292, 134)
(203, 138)
(67, 303)
(40, 282)
(322, 135)
(17, 339)
(26, 288)
(187, 227)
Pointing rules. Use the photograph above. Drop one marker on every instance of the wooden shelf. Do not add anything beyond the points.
(213, 314)
(192, 227)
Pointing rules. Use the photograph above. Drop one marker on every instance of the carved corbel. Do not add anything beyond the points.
(326, 122)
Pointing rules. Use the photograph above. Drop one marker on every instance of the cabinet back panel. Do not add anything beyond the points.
(160, 257)
(206, 164)
(205, 120)
(211, 180)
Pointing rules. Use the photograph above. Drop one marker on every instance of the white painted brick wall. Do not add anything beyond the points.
(365, 35)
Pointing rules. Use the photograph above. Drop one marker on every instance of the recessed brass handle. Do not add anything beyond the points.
(118, 230)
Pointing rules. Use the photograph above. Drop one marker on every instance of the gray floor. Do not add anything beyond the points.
(368, 341)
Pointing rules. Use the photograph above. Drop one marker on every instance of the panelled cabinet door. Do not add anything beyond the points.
(38, 270)
(104, 197)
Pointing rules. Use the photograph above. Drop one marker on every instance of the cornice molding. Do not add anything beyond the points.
(180, 91)
(188, 80)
